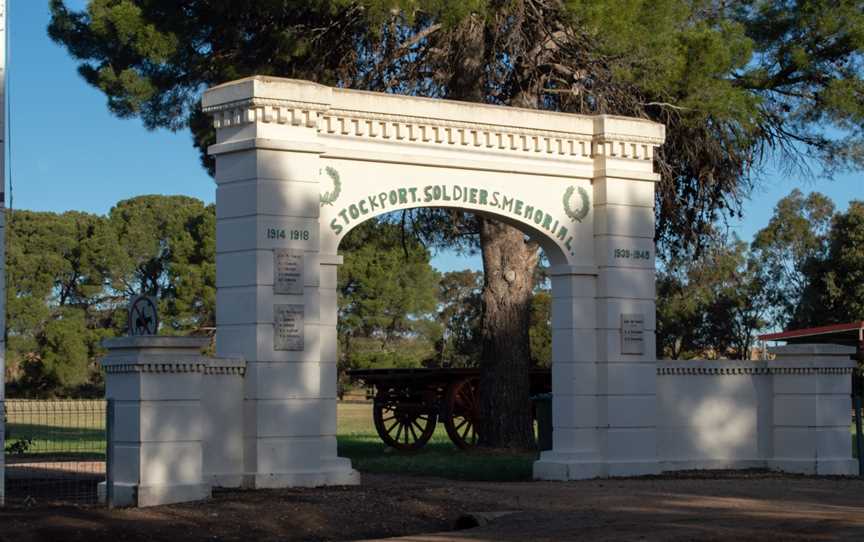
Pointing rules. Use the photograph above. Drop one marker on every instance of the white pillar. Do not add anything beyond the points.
(330, 461)
(604, 365)
(626, 315)
(278, 317)
(576, 417)
(156, 453)
(222, 435)
(624, 251)
(811, 409)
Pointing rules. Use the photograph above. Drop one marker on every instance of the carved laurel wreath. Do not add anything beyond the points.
(579, 214)
(328, 198)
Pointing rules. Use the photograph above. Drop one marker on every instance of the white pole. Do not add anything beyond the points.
(2, 251)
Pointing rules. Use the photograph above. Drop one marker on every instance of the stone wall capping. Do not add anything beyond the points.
(161, 354)
(233, 366)
(817, 349)
(821, 364)
(721, 366)
(748, 367)
(119, 366)
(696, 370)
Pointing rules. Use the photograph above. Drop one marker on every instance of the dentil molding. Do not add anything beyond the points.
(442, 133)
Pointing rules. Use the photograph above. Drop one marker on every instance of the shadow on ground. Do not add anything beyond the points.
(749, 506)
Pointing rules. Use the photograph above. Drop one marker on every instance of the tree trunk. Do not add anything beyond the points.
(508, 266)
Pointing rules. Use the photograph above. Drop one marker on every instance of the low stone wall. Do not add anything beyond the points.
(713, 414)
(222, 435)
(179, 416)
(789, 414)
(177, 420)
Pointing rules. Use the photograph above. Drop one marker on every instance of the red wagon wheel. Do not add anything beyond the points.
(463, 412)
(404, 425)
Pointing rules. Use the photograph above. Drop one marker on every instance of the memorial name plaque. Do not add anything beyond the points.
(632, 333)
(287, 271)
(288, 327)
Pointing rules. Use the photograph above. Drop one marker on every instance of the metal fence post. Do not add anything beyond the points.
(109, 453)
(2, 449)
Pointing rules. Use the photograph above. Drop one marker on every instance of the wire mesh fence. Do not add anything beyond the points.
(55, 451)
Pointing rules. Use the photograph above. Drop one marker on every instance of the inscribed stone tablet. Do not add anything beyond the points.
(292, 233)
(288, 327)
(632, 333)
(287, 271)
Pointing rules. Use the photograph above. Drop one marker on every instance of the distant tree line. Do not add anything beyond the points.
(734, 83)
(71, 275)
(804, 269)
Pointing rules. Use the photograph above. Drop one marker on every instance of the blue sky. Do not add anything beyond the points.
(69, 152)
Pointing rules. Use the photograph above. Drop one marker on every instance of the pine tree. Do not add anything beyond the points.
(734, 83)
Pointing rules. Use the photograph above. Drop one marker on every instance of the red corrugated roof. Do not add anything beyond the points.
(840, 333)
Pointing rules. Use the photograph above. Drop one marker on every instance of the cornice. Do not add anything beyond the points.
(166, 365)
(612, 145)
(225, 371)
(226, 367)
(442, 133)
(248, 103)
(268, 110)
(155, 367)
(453, 134)
(612, 136)
(730, 371)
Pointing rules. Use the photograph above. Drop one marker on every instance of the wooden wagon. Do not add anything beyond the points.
(408, 403)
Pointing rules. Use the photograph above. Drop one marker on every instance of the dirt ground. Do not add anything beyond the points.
(715, 506)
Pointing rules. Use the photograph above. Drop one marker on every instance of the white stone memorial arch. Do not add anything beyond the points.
(299, 164)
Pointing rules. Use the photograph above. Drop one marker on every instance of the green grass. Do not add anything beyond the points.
(57, 440)
(58, 429)
(67, 430)
(359, 442)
